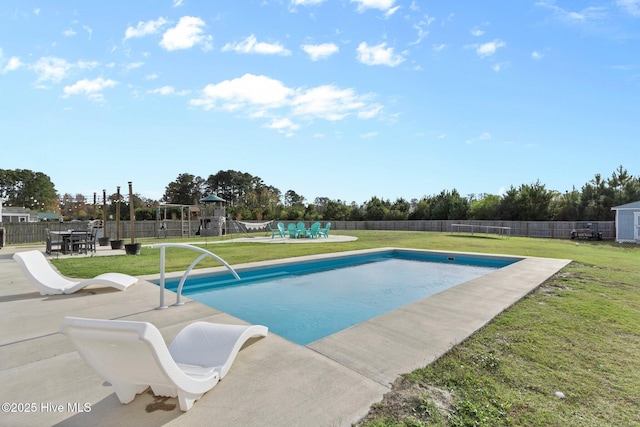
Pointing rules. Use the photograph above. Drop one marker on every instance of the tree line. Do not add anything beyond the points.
(248, 197)
(35, 191)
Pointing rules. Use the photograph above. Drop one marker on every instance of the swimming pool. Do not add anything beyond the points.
(308, 300)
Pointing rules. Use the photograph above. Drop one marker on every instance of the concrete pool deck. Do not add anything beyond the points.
(272, 382)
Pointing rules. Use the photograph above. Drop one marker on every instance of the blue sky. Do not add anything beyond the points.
(345, 99)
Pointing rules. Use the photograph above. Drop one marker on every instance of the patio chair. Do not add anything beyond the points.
(133, 356)
(77, 242)
(52, 242)
(282, 230)
(96, 223)
(314, 230)
(325, 231)
(92, 236)
(293, 231)
(49, 282)
(278, 231)
(302, 231)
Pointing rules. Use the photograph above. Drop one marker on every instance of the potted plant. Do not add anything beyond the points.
(117, 244)
(132, 248)
(104, 240)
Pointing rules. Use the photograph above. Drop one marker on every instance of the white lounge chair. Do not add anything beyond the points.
(133, 355)
(49, 282)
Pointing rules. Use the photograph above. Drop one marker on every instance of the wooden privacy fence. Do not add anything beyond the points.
(543, 229)
(17, 233)
(34, 232)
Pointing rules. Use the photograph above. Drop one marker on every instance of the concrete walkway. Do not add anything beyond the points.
(273, 382)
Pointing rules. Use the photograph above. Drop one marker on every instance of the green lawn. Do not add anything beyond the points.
(578, 334)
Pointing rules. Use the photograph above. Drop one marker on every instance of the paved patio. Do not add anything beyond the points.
(273, 382)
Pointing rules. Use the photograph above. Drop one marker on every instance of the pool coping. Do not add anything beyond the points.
(332, 381)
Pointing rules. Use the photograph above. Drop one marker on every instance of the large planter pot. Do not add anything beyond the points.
(117, 244)
(103, 241)
(133, 248)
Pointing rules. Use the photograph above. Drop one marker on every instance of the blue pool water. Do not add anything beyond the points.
(304, 302)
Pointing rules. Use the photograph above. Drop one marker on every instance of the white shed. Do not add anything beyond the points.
(628, 222)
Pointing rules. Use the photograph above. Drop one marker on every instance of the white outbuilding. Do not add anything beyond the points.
(628, 222)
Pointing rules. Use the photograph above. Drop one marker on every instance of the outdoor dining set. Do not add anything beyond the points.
(73, 241)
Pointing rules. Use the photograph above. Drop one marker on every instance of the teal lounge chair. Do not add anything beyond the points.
(325, 231)
(302, 231)
(313, 230)
(281, 230)
(293, 231)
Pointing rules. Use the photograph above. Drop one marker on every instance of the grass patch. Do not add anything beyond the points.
(578, 334)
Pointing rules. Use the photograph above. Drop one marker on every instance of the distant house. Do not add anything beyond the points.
(48, 216)
(13, 214)
(628, 222)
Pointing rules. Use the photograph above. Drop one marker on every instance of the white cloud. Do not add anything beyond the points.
(186, 34)
(624, 67)
(421, 27)
(263, 97)
(86, 65)
(391, 11)
(489, 48)
(91, 88)
(247, 91)
(485, 136)
(305, 2)
(439, 47)
(167, 90)
(378, 55)
(537, 55)
(69, 33)
(320, 51)
(12, 64)
(632, 7)
(369, 135)
(384, 5)
(251, 45)
(283, 125)
(164, 90)
(327, 102)
(500, 66)
(370, 111)
(177, 3)
(133, 65)
(145, 28)
(590, 13)
(51, 69)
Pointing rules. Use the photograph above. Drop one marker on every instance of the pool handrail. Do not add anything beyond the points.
(205, 253)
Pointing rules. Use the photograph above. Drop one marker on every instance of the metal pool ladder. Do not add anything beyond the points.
(205, 253)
